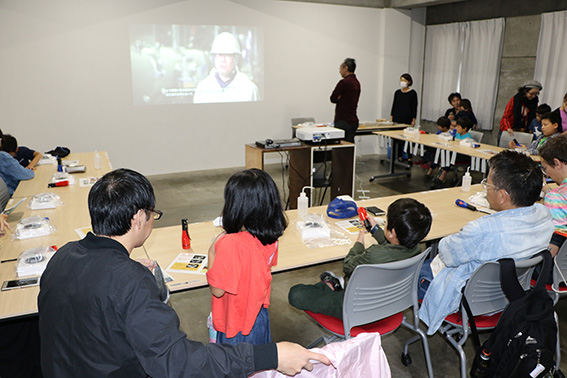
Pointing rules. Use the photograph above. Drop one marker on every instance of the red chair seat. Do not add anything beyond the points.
(548, 286)
(483, 321)
(335, 325)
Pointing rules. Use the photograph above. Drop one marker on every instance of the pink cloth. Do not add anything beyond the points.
(361, 356)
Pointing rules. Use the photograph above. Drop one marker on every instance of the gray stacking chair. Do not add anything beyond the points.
(522, 138)
(477, 135)
(375, 297)
(485, 296)
(4, 195)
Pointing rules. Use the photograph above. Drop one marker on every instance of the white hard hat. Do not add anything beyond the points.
(225, 43)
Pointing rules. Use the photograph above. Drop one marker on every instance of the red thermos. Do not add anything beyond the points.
(185, 238)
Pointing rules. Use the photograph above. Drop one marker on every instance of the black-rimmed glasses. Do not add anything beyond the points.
(157, 213)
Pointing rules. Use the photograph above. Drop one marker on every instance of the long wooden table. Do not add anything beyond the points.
(447, 149)
(71, 215)
(164, 244)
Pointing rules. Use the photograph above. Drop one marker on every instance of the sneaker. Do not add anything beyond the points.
(336, 282)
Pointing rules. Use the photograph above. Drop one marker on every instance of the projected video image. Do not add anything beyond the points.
(184, 64)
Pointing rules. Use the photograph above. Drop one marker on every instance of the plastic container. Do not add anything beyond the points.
(97, 160)
(466, 181)
(303, 203)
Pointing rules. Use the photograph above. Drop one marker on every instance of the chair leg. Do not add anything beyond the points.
(426, 352)
(558, 345)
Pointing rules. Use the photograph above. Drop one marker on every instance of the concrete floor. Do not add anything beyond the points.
(198, 196)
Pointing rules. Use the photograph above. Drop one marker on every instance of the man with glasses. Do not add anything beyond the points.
(100, 314)
(519, 229)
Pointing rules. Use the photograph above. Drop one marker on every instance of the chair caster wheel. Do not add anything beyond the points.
(558, 374)
(406, 359)
(371, 179)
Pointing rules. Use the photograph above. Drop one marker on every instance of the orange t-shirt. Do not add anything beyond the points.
(242, 268)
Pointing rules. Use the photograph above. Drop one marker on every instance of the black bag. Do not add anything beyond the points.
(524, 341)
(59, 152)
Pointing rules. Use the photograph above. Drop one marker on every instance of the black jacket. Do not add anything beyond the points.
(100, 316)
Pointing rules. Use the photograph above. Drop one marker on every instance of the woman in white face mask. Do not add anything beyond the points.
(404, 107)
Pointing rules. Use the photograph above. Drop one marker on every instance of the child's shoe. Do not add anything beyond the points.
(336, 282)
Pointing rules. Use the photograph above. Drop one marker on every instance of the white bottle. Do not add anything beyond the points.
(466, 181)
(302, 203)
(97, 160)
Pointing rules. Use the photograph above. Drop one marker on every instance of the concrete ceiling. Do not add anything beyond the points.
(400, 4)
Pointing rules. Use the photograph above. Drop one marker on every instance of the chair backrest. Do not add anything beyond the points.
(483, 291)
(560, 266)
(477, 135)
(522, 138)
(377, 291)
(298, 120)
(4, 195)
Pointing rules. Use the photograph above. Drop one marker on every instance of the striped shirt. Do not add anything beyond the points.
(556, 202)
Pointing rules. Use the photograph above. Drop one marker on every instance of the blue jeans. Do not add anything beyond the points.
(425, 278)
(260, 333)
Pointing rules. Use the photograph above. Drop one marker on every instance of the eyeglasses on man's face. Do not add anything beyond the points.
(157, 213)
(485, 184)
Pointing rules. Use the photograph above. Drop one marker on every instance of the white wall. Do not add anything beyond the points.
(66, 80)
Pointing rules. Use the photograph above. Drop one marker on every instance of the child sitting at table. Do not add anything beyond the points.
(466, 111)
(550, 127)
(10, 171)
(27, 157)
(462, 132)
(535, 125)
(240, 258)
(554, 163)
(408, 222)
(443, 126)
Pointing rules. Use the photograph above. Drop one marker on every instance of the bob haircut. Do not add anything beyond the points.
(407, 76)
(252, 203)
(411, 219)
(115, 198)
(519, 175)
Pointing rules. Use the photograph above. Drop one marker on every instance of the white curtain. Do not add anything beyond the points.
(463, 57)
(551, 59)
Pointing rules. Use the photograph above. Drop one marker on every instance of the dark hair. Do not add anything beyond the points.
(453, 95)
(9, 143)
(115, 198)
(407, 76)
(564, 98)
(519, 175)
(1, 134)
(465, 123)
(411, 219)
(350, 63)
(554, 148)
(553, 117)
(444, 122)
(543, 108)
(466, 103)
(252, 201)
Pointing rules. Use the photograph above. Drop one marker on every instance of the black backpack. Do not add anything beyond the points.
(524, 341)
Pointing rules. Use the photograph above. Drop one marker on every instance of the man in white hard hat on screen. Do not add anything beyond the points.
(225, 83)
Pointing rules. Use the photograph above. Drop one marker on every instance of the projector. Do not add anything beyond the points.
(319, 134)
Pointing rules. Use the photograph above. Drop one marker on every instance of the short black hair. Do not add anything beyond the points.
(465, 123)
(9, 143)
(553, 117)
(411, 219)
(407, 76)
(543, 108)
(444, 122)
(453, 95)
(115, 198)
(519, 175)
(350, 63)
(252, 202)
(554, 148)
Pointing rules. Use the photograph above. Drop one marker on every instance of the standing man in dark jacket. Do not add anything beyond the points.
(346, 96)
(100, 314)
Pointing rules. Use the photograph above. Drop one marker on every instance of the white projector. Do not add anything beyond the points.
(319, 133)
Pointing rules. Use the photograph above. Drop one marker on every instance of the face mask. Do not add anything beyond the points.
(403, 84)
